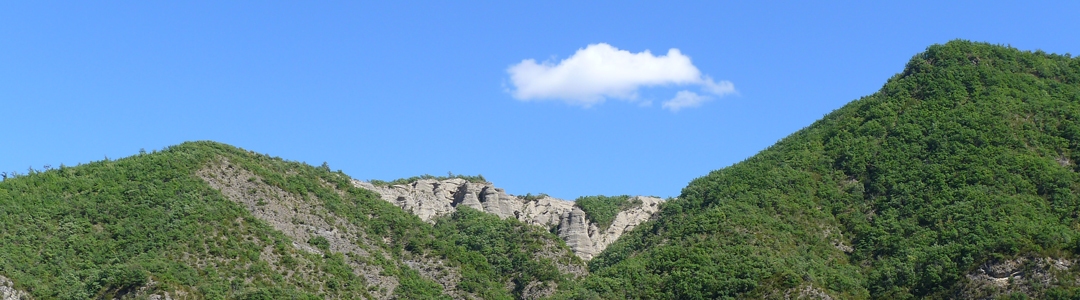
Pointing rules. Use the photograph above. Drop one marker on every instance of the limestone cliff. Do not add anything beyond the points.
(430, 198)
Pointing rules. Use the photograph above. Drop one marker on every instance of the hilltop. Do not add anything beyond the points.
(208, 220)
(958, 179)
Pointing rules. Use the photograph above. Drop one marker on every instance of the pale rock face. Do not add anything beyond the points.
(546, 211)
(7, 292)
(625, 221)
(429, 198)
(574, 229)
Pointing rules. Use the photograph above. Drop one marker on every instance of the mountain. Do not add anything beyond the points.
(208, 220)
(958, 179)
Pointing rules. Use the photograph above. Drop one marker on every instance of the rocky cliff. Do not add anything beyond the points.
(430, 198)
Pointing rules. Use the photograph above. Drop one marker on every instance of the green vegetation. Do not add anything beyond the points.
(103, 229)
(475, 179)
(320, 242)
(109, 228)
(601, 210)
(531, 197)
(500, 251)
(967, 157)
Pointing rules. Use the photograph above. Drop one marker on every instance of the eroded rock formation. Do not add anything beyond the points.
(430, 198)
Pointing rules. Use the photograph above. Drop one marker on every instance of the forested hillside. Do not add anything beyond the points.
(958, 179)
(204, 220)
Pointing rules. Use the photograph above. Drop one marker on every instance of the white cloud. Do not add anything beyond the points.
(719, 89)
(600, 71)
(684, 99)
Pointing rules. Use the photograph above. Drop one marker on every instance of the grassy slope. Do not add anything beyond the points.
(968, 156)
(108, 228)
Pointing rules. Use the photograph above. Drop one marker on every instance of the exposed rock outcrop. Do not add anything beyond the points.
(8, 292)
(1025, 275)
(305, 219)
(151, 291)
(625, 221)
(300, 220)
(430, 198)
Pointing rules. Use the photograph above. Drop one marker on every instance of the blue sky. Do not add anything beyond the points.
(383, 91)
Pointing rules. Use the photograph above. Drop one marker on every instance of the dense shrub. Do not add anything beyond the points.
(969, 155)
(474, 179)
(106, 229)
(602, 210)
